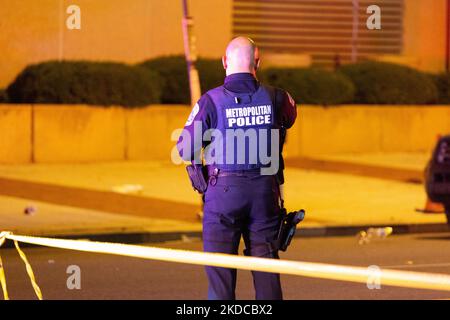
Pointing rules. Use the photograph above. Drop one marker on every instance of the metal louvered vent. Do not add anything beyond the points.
(328, 30)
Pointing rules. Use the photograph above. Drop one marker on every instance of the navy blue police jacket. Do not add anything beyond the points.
(241, 105)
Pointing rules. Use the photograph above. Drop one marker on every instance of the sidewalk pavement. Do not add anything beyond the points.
(142, 201)
(411, 161)
(406, 167)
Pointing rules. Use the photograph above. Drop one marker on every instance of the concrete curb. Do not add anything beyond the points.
(365, 170)
(106, 201)
(307, 232)
(340, 231)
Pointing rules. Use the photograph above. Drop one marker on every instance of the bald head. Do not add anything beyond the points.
(241, 56)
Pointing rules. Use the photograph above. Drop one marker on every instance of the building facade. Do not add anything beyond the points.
(289, 32)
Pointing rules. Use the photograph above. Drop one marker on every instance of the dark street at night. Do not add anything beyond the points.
(113, 277)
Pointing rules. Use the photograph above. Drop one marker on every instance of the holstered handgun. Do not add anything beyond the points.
(288, 226)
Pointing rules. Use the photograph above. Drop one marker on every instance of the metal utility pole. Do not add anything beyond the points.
(447, 40)
(355, 27)
(190, 51)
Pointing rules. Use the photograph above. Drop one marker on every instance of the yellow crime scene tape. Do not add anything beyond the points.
(408, 279)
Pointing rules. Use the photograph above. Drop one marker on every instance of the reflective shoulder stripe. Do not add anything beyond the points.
(194, 112)
(291, 100)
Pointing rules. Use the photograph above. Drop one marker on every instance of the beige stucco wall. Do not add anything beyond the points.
(358, 129)
(85, 134)
(424, 34)
(134, 30)
(127, 31)
(15, 134)
(78, 134)
(150, 130)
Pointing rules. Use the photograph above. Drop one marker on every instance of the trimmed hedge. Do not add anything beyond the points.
(211, 73)
(311, 86)
(442, 82)
(3, 96)
(175, 80)
(386, 83)
(165, 80)
(81, 82)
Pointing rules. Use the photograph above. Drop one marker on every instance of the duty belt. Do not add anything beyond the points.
(214, 173)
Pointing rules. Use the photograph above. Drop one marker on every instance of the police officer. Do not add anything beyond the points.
(240, 200)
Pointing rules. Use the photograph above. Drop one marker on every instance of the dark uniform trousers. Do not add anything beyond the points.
(242, 205)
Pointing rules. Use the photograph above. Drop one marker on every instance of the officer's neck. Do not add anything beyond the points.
(230, 72)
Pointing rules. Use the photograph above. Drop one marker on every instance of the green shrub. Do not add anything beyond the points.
(165, 80)
(442, 82)
(3, 96)
(311, 86)
(82, 82)
(386, 83)
(175, 81)
(211, 73)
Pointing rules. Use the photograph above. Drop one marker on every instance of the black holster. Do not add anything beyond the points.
(288, 226)
(199, 176)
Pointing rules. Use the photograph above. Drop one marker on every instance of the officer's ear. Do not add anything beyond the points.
(224, 62)
(257, 62)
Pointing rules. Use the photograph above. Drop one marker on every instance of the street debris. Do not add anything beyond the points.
(365, 237)
(128, 188)
(30, 210)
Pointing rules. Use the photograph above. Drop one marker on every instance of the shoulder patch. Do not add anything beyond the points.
(291, 100)
(194, 112)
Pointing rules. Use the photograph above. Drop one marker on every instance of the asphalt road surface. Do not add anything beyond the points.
(113, 277)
